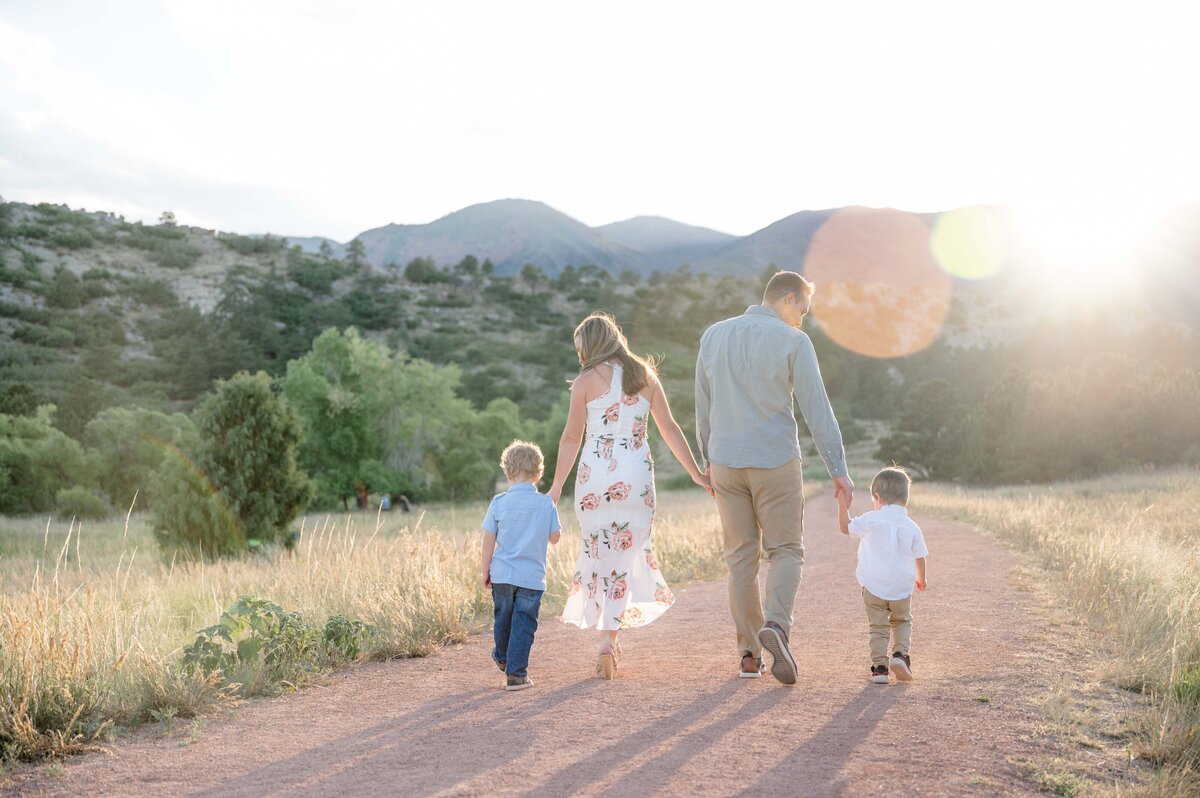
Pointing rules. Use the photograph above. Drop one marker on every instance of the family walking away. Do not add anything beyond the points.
(751, 371)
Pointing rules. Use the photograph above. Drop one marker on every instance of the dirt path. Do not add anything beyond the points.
(675, 721)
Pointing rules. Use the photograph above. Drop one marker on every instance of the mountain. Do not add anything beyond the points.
(783, 243)
(657, 233)
(665, 244)
(511, 232)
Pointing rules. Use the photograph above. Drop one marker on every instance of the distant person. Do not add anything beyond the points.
(891, 561)
(519, 525)
(616, 583)
(749, 370)
(404, 503)
(362, 497)
(385, 502)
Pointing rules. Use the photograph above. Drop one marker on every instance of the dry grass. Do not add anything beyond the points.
(1125, 551)
(93, 621)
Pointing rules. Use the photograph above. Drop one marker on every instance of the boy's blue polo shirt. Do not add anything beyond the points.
(522, 520)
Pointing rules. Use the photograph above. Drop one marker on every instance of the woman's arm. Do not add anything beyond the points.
(675, 439)
(572, 437)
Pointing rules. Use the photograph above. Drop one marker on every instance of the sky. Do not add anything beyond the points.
(306, 118)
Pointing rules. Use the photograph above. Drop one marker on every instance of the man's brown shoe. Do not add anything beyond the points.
(752, 667)
(773, 639)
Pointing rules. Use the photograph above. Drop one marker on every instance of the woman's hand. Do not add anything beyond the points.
(555, 493)
(703, 481)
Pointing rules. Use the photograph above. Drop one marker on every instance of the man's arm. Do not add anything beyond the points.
(818, 414)
(703, 405)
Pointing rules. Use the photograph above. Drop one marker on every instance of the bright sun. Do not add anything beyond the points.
(1086, 252)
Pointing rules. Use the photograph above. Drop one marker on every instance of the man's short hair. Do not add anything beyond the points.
(784, 283)
(522, 459)
(891, 485)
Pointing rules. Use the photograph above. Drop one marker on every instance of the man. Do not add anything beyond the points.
(748, 371)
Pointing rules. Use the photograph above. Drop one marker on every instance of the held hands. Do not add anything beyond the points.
(703, 481)
(555, 493)
(843, 486)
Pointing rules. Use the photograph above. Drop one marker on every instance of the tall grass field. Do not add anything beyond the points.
(94, 625)
(1124, 551)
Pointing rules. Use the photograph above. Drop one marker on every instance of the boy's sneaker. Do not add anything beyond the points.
(518, 683)
(756, 668)
(783, 666)
(879, 674)
(902, 667)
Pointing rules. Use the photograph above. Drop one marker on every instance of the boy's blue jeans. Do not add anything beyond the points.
(516, 622)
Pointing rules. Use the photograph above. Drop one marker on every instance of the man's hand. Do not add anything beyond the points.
(843, 485)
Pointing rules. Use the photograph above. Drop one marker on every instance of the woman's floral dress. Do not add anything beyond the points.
(616, 584)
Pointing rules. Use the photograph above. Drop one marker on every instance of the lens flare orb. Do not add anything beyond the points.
(880, 292)
(970, 243)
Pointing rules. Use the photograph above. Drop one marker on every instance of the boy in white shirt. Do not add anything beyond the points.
(891, 560)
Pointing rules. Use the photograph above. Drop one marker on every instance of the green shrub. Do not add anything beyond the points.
(81, 504)
(36, 460)
(241, 480)
(258, 644)
(129, 446)
(156, 293)
(71, 239)
(64, 290)
(252, 245)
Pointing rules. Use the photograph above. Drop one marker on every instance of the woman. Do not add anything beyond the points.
(616, 584)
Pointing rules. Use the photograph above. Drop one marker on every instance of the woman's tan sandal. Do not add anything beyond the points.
(606, 667)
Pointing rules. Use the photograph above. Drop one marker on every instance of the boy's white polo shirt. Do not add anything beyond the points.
(889, 544)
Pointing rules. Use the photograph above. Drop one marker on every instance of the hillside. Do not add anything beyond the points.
(95, 312)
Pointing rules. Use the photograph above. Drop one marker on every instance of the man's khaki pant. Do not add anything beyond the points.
(762, 509)
(888, 619)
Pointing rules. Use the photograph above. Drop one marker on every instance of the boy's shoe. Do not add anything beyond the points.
(773, 639)
(879, 674)
(518, 683)
(902, 667)
(756, 669)
(501, 664)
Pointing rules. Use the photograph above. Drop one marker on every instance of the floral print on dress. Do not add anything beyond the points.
(663, 594)
(650, 560)
(631, 617)
(615, 585)
(576, 583)
(617, 492)
(615, 503)
(620, 538)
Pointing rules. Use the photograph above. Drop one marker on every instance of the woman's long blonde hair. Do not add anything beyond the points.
(601, 340)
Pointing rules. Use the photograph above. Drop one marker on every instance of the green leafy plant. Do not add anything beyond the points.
(253, 632)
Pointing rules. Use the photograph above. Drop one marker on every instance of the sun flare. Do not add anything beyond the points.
(1086, 252)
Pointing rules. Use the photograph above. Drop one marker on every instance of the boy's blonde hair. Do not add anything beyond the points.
(522, 460)
(891, 485)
